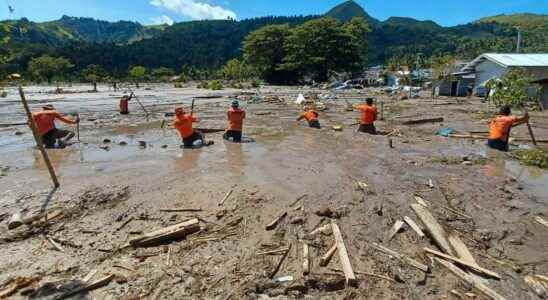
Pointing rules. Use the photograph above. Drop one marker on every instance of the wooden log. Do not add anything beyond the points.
(461, 249)
(15, 221)
(275, 222)
(395, 229)
(433, 228)
(306, 260)
(172, 232)
(280, 263)
(464, 263)
(423, 121)
(225, 197)
(324, 260)
(487, 291)
(414, 226)
(343, 256)
(410, 261)
(88, 287)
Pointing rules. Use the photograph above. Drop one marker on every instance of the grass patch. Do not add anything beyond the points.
(532, 157)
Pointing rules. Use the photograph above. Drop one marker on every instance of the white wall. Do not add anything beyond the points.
(487, 70)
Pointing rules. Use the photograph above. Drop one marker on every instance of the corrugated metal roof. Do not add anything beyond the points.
(511, 60)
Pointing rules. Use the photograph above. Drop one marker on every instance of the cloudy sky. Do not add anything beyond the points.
(445, 12)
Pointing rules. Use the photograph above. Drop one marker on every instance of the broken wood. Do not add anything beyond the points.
(89, 276)
(487, 291)
(16, 284)
(414, 226)
(275, 222)
(461, 249)
(181, 210)
(280, 263)
(541, 221)
(343, 256)
(298, 199)
(306, 260)
(15, 221)
(540, 288)
(368, 274)
(225, 197)
(88, 287)
(54, 244)
(395, 229)
(423, 121)
(172, 232)
(464, 263)
(323, 229)
(433, 228)
(125, 223)
(401, 257)
(324, 260)
(274, 252)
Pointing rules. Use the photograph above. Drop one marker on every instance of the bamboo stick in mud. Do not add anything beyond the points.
(37, 139)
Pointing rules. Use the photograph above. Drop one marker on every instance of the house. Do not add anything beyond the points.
(496, 65)
(455, 83)
(543, 92)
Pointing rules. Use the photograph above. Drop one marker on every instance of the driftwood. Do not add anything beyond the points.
(464, 263)
(324, 260)
(401, 257)
(274, 252)
(343, 256)
(487, 291)
(172, 232)
(461, 249)
(423, 121)
(433, 227)
(54, 244)
(414, 226)
(275, 222)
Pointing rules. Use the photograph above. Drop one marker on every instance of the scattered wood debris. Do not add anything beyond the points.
(414, 226)
(395, 229)
(225, 197)
(464, 263)
(275, 222)
(538, 286)
(306, 259)
(343, 256)
(280, 262)
(172, 232)
(541, 221)
(401, 257)
(433, 227)
(324, 260)
(88, 287)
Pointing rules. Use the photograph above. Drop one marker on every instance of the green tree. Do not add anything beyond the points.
(358, 29)
(264, 52)
(515, 88)
(46, 67)
(162, 73)
(94, 74)
(235, 69)
(137, 73)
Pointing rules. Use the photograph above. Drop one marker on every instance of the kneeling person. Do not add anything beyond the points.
(45, 124)
(184, 124)
(236, 118)
(369, 116)
(499, 130)
(311, 116)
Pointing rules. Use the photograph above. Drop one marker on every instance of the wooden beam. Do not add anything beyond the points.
(487, 291)
(464, 263)
(343, 256)
(172, 232)
(324, 260)
(414, 226)
(433, 228)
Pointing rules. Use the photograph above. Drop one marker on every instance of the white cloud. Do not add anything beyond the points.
(162, 20)
(194, 9)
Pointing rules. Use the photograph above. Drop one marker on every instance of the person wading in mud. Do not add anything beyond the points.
(184, 124)
(501, 125)
(124, 104)
(311, 116)
(369, 116)
(236, 117)
(45, 123)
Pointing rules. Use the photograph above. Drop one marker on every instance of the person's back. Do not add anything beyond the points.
(500, 127)
(236, 117)
(183, 123)
(45, 120)
(45, 125)
(368, 118)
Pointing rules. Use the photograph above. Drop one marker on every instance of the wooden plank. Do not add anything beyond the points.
(395, 229)
(541, 221)
(433, 228)
(464, 263)
(423, 121)
(172, 232)
(414, 226)
(88, 287)
(306, 260)
(401, 257)
(487, 291)
(461, 249)
(275, 222)
(343, 256)
(324, 260)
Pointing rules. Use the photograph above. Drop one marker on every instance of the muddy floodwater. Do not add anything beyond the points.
(128, 176)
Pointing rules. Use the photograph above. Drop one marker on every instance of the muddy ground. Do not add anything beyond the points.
(112, 192)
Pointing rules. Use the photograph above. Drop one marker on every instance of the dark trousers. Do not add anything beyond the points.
(188, 142)
(498, 145)
(314, 124)
(50, 138)
(234, 134)
(368, 128)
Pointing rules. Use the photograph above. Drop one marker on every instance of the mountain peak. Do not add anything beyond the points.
(348, 10)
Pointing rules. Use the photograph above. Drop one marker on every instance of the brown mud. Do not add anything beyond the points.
(111, 193)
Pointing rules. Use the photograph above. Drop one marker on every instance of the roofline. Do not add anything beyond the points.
(489, 56)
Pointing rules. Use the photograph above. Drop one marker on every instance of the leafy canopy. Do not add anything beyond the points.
(46, 67)
(514, 88)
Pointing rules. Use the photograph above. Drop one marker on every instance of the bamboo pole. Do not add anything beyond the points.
(38, 139)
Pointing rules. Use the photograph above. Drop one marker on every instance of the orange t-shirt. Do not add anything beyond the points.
(124, 105)
(45, 120)
(235, 119)
(310, 115)
(500, 127)
(369, 114)
(184, 125)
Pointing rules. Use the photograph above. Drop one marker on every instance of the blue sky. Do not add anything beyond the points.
(444, 12)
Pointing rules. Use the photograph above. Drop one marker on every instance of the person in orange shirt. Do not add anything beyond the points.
(45, 124)
(124, 104)
(184, 124)
(236, 117)
(311, 116)
(501, 125)
(369, 116)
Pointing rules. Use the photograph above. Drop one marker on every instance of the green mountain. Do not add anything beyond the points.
(348, 10)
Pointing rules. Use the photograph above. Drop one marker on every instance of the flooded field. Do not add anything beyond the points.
(112, 192)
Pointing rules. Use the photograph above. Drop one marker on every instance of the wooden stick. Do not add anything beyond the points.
(89, 276)
(275, 222)
(530, 129)
(306, 260)
(280, 262)
(298, 199)
(54, 244)
(225, 197)
(481, 137)
(324, 260)
(173, 232)
(464, 263)
(13, 124)
(422, 121)
(541, 221)
(433, 227)
(278, 251)
(414, 226)
(38, 139)
(181, 210)
(401, 257)
(487, 291)
(395, 229)
(88, 287)
(125, 223)
(343, 256)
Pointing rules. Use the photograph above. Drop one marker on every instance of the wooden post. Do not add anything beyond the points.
(192, 107)
(382, 110)
(530, 129)
(38, 139)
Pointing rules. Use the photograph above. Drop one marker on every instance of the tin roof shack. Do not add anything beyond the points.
(456, 85)
(496, 65)
(543, 94)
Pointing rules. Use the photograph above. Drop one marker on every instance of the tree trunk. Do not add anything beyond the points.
(95, 87)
